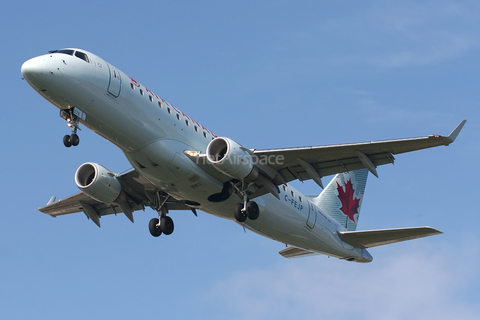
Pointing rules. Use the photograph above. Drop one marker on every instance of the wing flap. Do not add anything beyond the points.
(347, 151)
(67, 205)
(374, 238)
(72, 204)
(334, 166)
(294, 252)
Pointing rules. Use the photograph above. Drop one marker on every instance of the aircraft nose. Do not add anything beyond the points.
(33, 69)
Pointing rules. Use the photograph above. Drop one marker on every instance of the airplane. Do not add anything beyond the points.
(179, 164)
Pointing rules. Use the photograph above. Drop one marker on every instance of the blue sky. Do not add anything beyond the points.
(267, 74)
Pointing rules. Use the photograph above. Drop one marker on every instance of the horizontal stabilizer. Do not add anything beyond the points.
(293, 252)
(373, 238)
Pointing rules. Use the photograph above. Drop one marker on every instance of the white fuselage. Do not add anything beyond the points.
(154, 135)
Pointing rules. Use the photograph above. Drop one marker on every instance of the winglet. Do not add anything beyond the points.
(456, 131)
(52, 200)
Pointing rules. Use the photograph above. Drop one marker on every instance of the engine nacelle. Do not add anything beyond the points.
(230, 158)
(98, 182)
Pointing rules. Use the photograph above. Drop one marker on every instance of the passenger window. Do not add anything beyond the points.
(169, 111)
(132, 86)
(178, 116)
(196, 129)
(204, 134)
(151, 98)
(285, 188)
(160, 104)
(141, 92)
(300, 198)
(187, 123)
(81, 55)
(293, 194)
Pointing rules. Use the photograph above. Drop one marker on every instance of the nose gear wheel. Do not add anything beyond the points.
(71, 140)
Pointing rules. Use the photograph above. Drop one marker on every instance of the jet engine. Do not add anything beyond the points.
(231, 158)
(98, 182)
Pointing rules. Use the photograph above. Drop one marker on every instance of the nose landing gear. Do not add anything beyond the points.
(72, 122)
(71, 140)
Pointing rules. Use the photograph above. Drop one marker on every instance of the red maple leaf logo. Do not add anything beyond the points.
(349, 205)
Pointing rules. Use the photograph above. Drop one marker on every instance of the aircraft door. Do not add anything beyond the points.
(312, 215)
(115, 82)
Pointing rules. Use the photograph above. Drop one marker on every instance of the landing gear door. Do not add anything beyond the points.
(115, 82)
(312, 216)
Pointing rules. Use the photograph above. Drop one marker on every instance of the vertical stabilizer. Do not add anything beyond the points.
(342, 198)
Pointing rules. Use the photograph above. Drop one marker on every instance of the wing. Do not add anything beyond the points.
(279, 166)
(139, 192)
(373, 238)
(285, 165)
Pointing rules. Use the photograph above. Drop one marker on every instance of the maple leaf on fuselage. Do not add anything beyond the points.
(349, 204)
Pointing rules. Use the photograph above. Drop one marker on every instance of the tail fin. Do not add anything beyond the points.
(342, 198)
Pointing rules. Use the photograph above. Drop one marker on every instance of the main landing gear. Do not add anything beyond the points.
(162, 224)
(72, 122)
(159, 226)
(250, 211)
(247, 209)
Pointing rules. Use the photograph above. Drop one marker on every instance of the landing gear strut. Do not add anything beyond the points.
(72, 122)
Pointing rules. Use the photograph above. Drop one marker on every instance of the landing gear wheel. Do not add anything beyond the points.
(167, 225)
(154, 230)
(74, 139)
(240, 216)
(66, 141)
(252, 210)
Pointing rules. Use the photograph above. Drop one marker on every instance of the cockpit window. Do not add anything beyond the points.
(81, 55)
(70, 52)
(65, 51)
